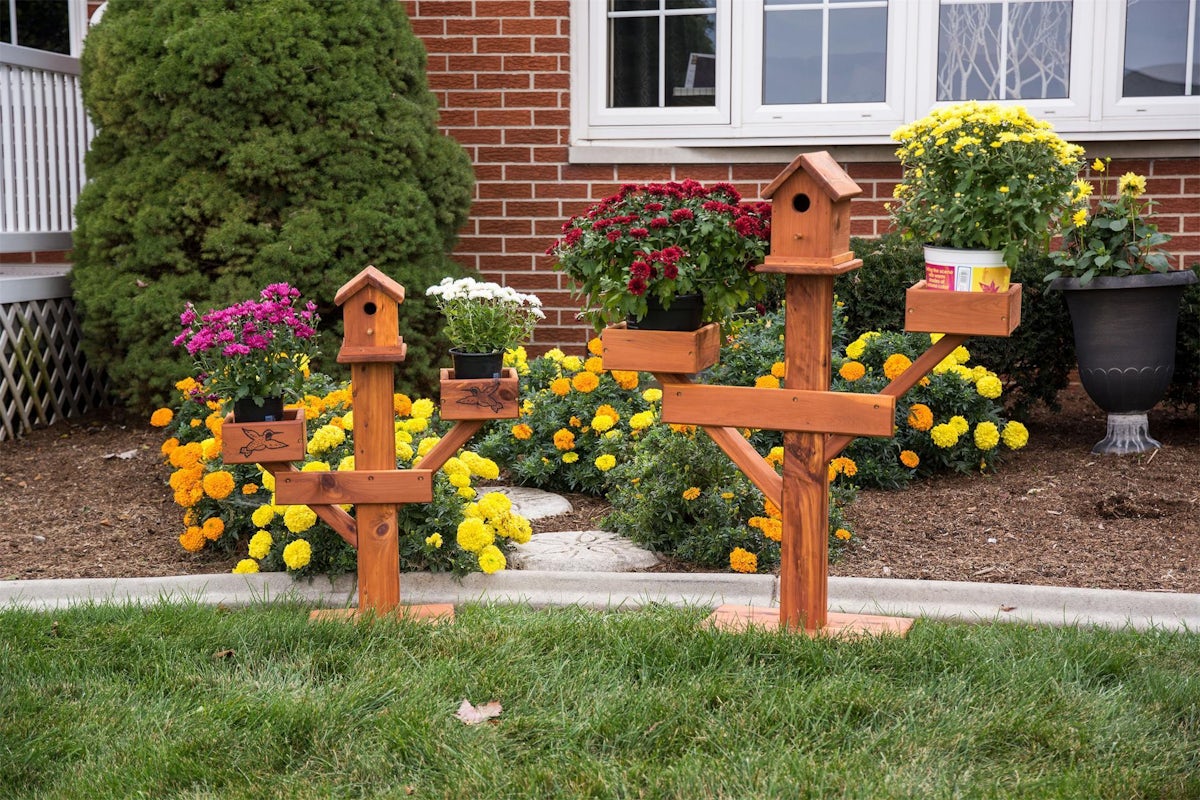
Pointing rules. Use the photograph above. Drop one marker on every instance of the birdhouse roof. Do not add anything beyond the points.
(821, 167)
(369, 277)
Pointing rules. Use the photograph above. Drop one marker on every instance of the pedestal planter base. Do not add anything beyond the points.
(1127, 433)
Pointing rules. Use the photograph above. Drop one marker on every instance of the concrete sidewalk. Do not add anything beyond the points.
(941, 600)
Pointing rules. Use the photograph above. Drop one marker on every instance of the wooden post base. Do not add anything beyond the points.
(430, 612)
(739, 618)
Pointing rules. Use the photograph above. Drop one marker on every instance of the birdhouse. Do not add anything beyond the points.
(370, 316)
(810, 214)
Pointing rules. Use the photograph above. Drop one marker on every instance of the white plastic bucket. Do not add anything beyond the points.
(953, 270)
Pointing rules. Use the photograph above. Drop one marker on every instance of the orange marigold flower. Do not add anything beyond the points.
(187, 455)
(595, 346)
(594, 364)
(522, 431)
(250, 488)
(585, 381)
(561, 386)
(626, 380)
(920, 417)
(677, 428)
(691, 493)
(192, 539)
(608, 411)
(852, 370)
(401, 404)
(843, 534)
(773, 511)
(766, 382)
(895, 365)
(218, 485)
(162, 417)
(212, 528)
(779, 370)
(741, 560)
(564, 439)
(909, 459)
(169, 446)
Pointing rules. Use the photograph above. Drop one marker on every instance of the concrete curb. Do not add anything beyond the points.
(943, 600)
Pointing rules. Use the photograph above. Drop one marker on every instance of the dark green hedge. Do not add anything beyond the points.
(247, 142)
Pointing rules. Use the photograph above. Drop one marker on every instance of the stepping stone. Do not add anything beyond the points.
(532, 503)
(581, 551)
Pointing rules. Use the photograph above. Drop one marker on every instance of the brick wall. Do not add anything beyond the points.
(501, 72)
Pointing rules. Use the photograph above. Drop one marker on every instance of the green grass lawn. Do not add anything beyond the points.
(120, 702)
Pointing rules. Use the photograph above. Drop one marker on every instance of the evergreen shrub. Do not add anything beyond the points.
(248, 142)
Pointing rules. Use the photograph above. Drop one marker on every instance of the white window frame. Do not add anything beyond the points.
(77, 20)
(1093, 110)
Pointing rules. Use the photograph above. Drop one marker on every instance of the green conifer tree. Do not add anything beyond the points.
(248, 142)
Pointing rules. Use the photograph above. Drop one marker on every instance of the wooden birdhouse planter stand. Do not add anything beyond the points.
(810, 232)
(372, 346)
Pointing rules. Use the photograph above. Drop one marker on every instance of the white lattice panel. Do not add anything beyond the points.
(43, 374)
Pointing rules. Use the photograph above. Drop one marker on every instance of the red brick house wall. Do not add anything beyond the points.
(501, 72)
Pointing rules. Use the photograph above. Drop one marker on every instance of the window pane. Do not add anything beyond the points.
(1156, 48)
(633, 62)
(691, 60)
(5, 24)
(674, 4)
(633, 5)
(857, 55)
(43, 25)
(1039, 50)
(969, 51)
(792, 57)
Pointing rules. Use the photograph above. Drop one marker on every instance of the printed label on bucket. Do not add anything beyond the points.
(961, 278)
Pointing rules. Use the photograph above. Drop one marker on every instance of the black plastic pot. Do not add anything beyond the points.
(477, 365)
(1125, 344)
(685, 314)
(246, 410)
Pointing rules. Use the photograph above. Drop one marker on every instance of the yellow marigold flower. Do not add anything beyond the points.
(491, 560)
(460, 481)
(522, 431)
(843, 534)
(404, 451)
(346, 464)
(741, 560)
(434, 540)
(605, 462)
(572, 363)
(564, 439)
(467, 493)
(987, 435)
(766, 382)
(483, 467)
(298, 519)
(401, 404)
(989, 387)
(474, 534)
(779, 370)
(1098, 165)
(247, 566)
(594, 364)
(561, 386)
(260, 544)
(218, 485)
(909, 459)
(652, 395)
(920, 417)
(595, 346)
(192, 539)
(263, 515)
(1015, 436)
(602, 422)
(852, 370)
(609, 411)
(944, 435)
(959, 424)
(316, 466)
(585, 382)
(427, 444)
(422, 409)
(691, 493)
(495, 505)
(212, 528)
(555, 355)
(895, 365)
(297, 554)
(162, 417)
(570, 458)
(348, 420)
(960, 355)
(775, 456)
(169, 446)
(210, 448)
(641, 420)
(625, 379)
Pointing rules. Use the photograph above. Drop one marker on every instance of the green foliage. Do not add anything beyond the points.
(232, 507)
(1185, 386)
(249, 142)
(680, 494)
(1035, 361)
(577, 421)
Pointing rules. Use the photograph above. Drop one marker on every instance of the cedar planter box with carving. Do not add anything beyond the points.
(683, 352)
(263, 442)
(480, 398)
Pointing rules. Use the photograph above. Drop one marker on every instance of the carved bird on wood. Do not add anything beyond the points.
(261, 441)
(483, 396)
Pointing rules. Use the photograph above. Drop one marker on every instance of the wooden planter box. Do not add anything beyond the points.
(480, 398)
(684, 352)
(967, 313)
(262, 442)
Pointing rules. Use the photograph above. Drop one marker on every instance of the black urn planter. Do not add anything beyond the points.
(1125, 344)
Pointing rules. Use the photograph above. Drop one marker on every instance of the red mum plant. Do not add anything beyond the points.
(655, 242)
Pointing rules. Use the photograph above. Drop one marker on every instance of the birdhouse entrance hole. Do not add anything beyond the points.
(369, 308)
(801, 202)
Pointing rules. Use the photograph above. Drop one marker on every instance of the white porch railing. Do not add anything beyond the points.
(44, 133)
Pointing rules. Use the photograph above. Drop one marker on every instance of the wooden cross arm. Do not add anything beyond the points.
(356, 486)
(334, 517)
(780, 409)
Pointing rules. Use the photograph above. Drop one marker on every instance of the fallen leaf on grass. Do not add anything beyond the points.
(223, 654)
(470, 715)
